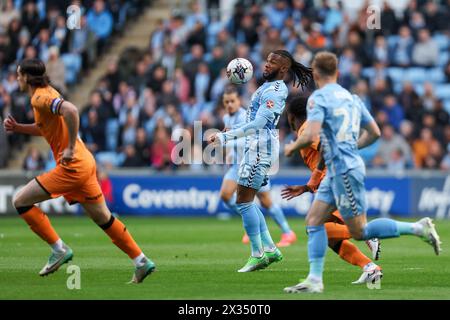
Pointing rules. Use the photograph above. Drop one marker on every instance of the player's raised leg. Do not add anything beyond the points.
(288, 236)
(39, 222)
(350, 189)
(120, 236)
(338, 235)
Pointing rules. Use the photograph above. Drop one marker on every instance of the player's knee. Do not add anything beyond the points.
(358, 234)
(17, 201)
(312, 220)
(225, 196)
(19, 205)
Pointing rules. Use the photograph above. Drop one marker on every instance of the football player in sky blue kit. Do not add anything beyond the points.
(261, 152)
(234, 118)
(337, 116)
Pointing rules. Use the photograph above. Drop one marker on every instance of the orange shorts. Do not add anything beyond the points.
(74, 185)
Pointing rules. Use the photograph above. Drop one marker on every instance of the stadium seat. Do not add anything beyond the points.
(442, 91)
(415, 75)
(112, 132)
(442, 40)
(447, 105)
(444, 57)
(435, 75)
(116, 159)
(396, 74)
(419, 89)
(398, 87)
(368, 72)
(72, 62)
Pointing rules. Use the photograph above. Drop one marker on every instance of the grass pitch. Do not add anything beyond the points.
(197, 258)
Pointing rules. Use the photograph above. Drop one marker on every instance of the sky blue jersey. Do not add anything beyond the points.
(342, 115)
(266, 106)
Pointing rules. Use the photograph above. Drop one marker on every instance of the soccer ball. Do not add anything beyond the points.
(239, 71)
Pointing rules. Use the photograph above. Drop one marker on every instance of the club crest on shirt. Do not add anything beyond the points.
(270, 104)
(310, 103)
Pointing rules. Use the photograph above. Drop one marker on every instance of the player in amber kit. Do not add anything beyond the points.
(337, 231)
(74, 177)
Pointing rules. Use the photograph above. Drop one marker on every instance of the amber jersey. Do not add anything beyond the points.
(310, 155)
(46, 103)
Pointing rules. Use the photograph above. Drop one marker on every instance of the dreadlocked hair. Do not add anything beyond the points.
(302, 74)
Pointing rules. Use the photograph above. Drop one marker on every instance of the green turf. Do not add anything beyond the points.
(198, 258)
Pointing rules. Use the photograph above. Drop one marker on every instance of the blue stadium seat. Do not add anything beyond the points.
(396, 74)
(114, 158)
(72, 62)
(415, 75)
(443, 58)
(112, 133)
(436, 75)
(398, 87)
(442, 91)
(419, 89)
(368, 72)
(447, 105)
(442, 40)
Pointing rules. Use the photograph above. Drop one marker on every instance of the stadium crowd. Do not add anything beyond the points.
(401, 71)
(39, 29)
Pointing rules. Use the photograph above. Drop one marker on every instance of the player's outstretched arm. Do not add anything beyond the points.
(70, 114)
(11, 125)
(369, 135)
(246, 130)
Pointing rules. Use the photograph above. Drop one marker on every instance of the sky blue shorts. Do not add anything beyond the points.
(233, 174)
(346, 192)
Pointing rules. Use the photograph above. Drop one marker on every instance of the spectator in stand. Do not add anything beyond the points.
(389, 142)
(30, 18)
(161, 149)
(142, 147)
(56, 70)
(388, 20)
(397, 162)
(401, 52)
(106, 186)
(100, 21)
(8, 13)
(131, 158)
(34, 161)
(445, 163)
(277, 13)
(394, 111)
(436, 17)
(428, 98)
(426, 51)
(316, 40)
(93, 132)
(303, 55)
(380, 52)
(411, 102)
(42, 44)
(423, 147)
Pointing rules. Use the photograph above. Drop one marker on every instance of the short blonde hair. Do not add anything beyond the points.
(325, 63)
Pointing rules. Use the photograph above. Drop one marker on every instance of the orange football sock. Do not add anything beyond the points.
(40, 224)
(336, 231)
(120, 236)
(350, 253)
(338, 235)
